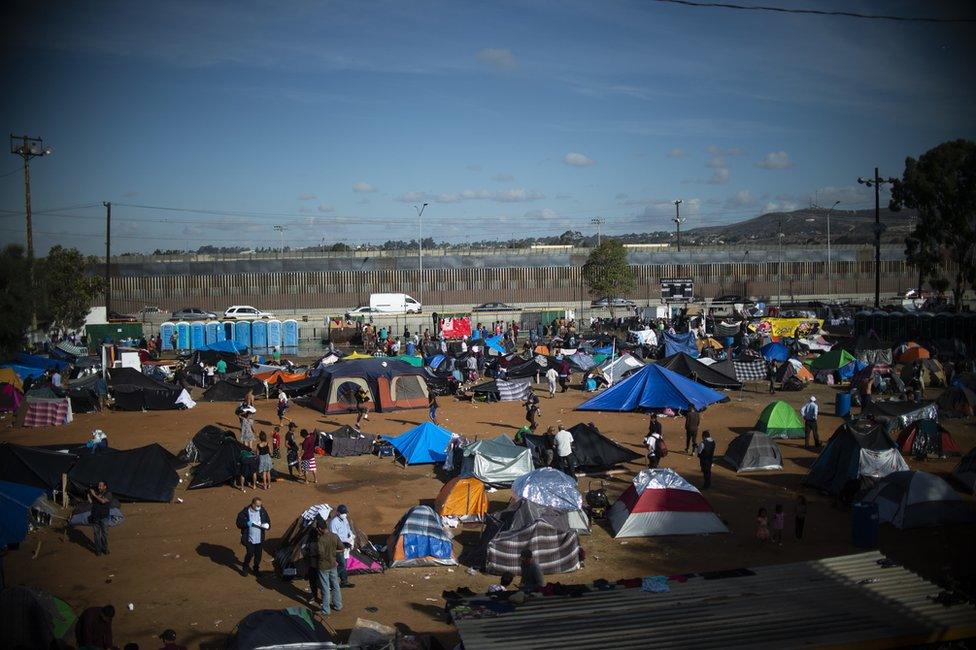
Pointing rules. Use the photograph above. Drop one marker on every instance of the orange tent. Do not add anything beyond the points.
(463, 498)
(541, 349)
(271, 378)
(913, 353)
(804, 373)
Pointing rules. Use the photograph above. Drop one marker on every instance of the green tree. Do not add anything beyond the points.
(607, 273)
(68, 285)
(16, 298)
(941, 186)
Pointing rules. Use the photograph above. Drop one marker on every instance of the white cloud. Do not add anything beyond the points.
(363, 188)
(849, 196)
(677, 152)
(578, 160)
(307, 197)
(514, 195)
(503, 178)
(497, 58)
(775, 160)
(544, 213)
(412, 197)
(473, 168)
(780, 206)
(741, 199)
(720, 176)
(326, 208)
(718, 164)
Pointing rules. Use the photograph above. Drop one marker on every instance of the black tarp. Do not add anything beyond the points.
(345, 441)
(594, 451)
(299, 387)
(33, 466)
(438, 383)
(487, 391)
(132, 377)
(142, 474)
(965, 472)
(275, 628)
(221, 458)
(839, 462)
(233, 390)
(134, 391)
(83, 400)
(686, 366)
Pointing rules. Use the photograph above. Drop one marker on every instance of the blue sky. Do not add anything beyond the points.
(508, 118)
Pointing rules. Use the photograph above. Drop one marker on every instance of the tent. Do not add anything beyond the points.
(897, 414)
(526, 525)
(753, 452)
(503, 390)
(924, 438)
(965, 472)
(497, 461)
(550, 487)
(871, 349)
(912, 352)
(726, 367)
(787, 371)
(293, 627)
(918, 499)
(779, 420)
(9, 376)
(425, 443)
(16, 503)
(134, 391)
(33, 618)
(416, 362)
(233, 390)
(142, 474)
(391, 385)
(420, 539)
(345, 441)
(37, 361)
(957, 402)
(750, 370)
(675, 343)
(617, 368)
(33, 466)
(594, 451)
(297, 545)
(219, 455)
(932, 373)
(775, 352)
(581, 361)
(653, 387)
(693, 369)
(858, 451)
(462, 498)
(272, 377)
(47, 412)
(832, 360)
(24, 372)
(661, 502)
(10, 398)
(709, 343)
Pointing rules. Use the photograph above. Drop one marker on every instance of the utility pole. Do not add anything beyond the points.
(27, 148)
(830, 269)
(779, 267)
(678, 221)
(879, 228)
(598, 222)
(108, 256)
(281, 238)
(420, 283)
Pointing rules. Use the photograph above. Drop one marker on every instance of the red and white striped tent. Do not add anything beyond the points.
(661, 502)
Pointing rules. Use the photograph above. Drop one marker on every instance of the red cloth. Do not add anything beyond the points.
(308, 448)
(455, 328)
(47, 412)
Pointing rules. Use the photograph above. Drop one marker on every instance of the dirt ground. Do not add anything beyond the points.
(178, 562)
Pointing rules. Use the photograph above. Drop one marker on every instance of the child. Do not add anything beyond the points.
(800, 518)
(291, 451)
(276, 442)
(762, 526)
(432, 406)
(778, 521)
(282, 404)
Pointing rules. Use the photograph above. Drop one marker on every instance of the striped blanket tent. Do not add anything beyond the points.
(727, 329)
(45, 412)
(526, 525)
(513, 391)
(750, 370)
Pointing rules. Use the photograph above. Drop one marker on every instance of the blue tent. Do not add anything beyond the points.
(495, 343)
(24, 371)
(35, 361)
(436, 361)
(232, 347)
(775, 352)
(422, 444)
(16, 501)
(675, 343)
(653, 387)
(848, 370)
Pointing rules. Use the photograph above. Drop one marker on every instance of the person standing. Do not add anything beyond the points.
(771, 371)
(253, 522)
(564, 450)
(101, 500)
(343, 529)
(308, 456)
(692, 421)
(264, 461)
(706, 454)
(531, 405)
(918, 385)
(552, 376)
(762, 526)
(94, 628)
(432, 406)
(282, 404)
(778, 524)
(565, 372)
(809, 413)
(435, 320)
(276, 355)
(549, 447)
(362, 406)
(247, 427)
(800, 516)
(291, 449)
(173, 340)
(221, 368)
(656, 449)
(532, 577)
(329, 549)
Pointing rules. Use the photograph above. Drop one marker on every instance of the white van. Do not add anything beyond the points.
(394, 303)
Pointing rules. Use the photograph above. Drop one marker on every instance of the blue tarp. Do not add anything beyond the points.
(35, 361)
(436, 361)
(24, 371)
(675, 343)
(775, 352)
(653, 387)
(847, 371)
(606, 349)
(15, 503)
(495, 343)
(225, 346)
(422, 444)
(420, 546)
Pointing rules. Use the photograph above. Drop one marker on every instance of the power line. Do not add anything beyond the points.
(817, 12)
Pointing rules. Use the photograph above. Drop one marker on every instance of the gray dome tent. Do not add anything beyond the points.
(918, 499)
(752, 452)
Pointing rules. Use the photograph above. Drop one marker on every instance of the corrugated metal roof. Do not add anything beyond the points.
(848, 600)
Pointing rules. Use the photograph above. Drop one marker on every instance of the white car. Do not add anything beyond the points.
(246, 312)
(362, 311)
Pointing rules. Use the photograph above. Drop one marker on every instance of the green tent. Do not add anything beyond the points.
(417, 362)
(779, 420)
(832, 360)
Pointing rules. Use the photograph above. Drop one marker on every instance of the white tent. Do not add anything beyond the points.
(550, 487)
(498, 461)
(662, 502)
(917, 499)
(613, 370)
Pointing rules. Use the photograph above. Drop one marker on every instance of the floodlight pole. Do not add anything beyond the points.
(420, 282)
(677, 221)
(27, 147)
(108, 257)
(598, 222)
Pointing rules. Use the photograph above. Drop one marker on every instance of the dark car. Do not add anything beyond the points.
(495, 306)
(606, 301)
(193, 313)
(116, 317)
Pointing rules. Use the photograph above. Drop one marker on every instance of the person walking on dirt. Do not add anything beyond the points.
(552, 376)
(706, 453)
(329, 548)
(101, 500)
(362, 407)
(809, 413)
(564, 451)
(532, 411)
(692, 420)
(655, 448)
(291, 449)
(282, 402)
(432, 406)
(342, 528)
(253, 522)
(308, 456)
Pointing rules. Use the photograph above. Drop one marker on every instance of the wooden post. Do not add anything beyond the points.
(64, 490)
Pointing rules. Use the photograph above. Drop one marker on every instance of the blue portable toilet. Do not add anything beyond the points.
(242, 333)
(212, 329)
(289, 336)
(862, 322)
(259, 336)
(198, 335)
(228, 327)
(925, 325)
(274, 334)
(183, 335)
(942, 325)
(166, 333)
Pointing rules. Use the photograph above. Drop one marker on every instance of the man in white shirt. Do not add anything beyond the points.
(564, 451)
(552, 376)
(809, 413)
(342, 527)
(56, 379)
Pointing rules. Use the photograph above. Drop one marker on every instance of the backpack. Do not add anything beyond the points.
(661, 448)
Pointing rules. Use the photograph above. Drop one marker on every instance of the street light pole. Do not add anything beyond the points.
(420, 283)
(27, 147)
(830, 268)
(598, 222)
(677, 221)
(281, 238)
(879, 228)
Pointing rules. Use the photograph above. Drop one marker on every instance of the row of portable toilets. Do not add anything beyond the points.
(260, 336)
(923, 326)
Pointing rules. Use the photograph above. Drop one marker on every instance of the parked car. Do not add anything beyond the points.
(246, 312)
(394, 303)
(147, 311)
(495, 306)
(362, 311)
(193, 313)
(116, 317)
(606, 301)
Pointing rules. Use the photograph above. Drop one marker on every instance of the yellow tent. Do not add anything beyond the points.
(356, 355)
(8, 376)
(709, 343)
(463, 498)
